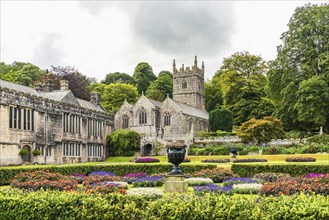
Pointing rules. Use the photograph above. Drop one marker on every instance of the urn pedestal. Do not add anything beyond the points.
(176, 183)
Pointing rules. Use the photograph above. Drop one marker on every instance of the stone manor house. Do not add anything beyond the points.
(64, 128)
(173, 120)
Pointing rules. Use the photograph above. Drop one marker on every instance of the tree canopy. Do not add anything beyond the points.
(143, 76)
(302, 56)
(118, 77)
(161, 87)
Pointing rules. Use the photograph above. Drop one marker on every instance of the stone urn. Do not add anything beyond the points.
(176, 156)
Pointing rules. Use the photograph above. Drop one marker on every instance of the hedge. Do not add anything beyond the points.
(60, 205)
(249, 170)
(8, 173)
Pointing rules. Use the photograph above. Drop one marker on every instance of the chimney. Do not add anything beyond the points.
(47, 87)
(64, 85)
(95, 99)
(38, 89)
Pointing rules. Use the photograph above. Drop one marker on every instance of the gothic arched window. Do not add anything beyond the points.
(142, 116)
(184, 84)
(125, 121)
(167, 119)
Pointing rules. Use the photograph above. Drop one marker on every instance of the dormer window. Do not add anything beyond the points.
(142, 116)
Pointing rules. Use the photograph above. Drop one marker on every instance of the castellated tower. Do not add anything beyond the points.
(189, 85)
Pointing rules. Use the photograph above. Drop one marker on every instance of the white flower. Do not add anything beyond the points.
(124, 184)
(254, 186)
(145, 191)
(198, 181)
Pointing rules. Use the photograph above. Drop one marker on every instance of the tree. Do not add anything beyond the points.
(243, 83)
(213, 94)
(303, 54)
(118, 77)
(123, 143)
(116, 93)
(161, 87)
(221, 119)
(78, 83)
(312, 103)
(260, 130)
(143, 76)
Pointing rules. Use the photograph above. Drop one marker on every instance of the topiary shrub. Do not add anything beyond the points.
(221, 119)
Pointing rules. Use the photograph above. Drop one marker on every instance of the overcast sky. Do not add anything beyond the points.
(99, 37)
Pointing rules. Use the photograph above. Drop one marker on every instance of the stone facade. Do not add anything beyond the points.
(64, 128)
(177, 119)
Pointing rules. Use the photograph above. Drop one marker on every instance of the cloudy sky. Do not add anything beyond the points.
(99, 37)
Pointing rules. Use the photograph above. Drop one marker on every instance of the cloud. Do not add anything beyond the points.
(184, 28)
(47, 52)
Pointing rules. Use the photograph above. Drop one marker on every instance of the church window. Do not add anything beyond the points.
(125, 121)
(167, 119)
(142, 116)
(184, 84)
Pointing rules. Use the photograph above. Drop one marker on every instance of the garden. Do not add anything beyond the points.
(135, 190)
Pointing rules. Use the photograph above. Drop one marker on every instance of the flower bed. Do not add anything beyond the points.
(216, 161)
(105, 188)
(147, 160)
(248, 188)
(271, 177)
(317, 175)
(149, 181)
(89, 180)
(101, 173)
(233, 181)
(35, 180)
(150, 193)
(212, 188)
(217, 174)
(300, 159)
(250, 160)
(198, 181)
(290, 186)
(79, 177)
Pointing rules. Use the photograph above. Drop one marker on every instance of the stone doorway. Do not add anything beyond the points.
(27, 158)
(147, 150)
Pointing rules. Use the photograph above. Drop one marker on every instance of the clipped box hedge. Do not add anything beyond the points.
(249, 170)
(8, 173)
(61, 205)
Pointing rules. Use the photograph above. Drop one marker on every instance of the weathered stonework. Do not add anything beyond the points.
(177, 119)
(48, 133)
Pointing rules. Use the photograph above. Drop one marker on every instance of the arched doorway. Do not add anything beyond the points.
(147, 150)
(26, 157)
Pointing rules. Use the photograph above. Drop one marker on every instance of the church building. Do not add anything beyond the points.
(175, 119)
(63, 128)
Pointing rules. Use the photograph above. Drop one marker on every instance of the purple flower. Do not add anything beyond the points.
(147, 160)
(148, 178)
(316, 175)
(135, 175)
(212, 188)
(101, 173)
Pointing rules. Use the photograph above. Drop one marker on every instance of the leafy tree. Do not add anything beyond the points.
(243, 84)
(143, 76)
(221, 119)
(313, 101)
(260, 130)
(118, 77)
(116, 93)
(123, 143)
(213, 94)
(161, 87)
(165, 72)
(78, 83)
(304, 53)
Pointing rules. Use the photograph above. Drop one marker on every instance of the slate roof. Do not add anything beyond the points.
(155, 102)
(57, 95)
(190, 110)
(18, 87)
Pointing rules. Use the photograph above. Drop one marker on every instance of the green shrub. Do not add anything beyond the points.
(60, 205)
(221, 150)
(271, 177)
(319, 139)
(221, 119)
(8, 173)
(249, 170)
(23, 152)
(216, 174)
(123, 142)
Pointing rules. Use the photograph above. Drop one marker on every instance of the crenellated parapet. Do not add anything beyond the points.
(189, 71)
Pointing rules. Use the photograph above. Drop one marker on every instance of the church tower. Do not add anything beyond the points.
(189, 85)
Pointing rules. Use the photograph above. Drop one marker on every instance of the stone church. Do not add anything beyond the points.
(176, 119)
(65, 129)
